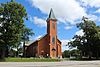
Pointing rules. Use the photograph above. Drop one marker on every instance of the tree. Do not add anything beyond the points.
(25, 37)
(66, 54)
(74, 52)
(12, 16)
(88, 44)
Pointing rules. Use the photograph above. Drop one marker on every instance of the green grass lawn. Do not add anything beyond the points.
(10, 59)
(30, 60)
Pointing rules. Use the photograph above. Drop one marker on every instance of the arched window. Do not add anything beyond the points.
(53, 40)
(53, 25)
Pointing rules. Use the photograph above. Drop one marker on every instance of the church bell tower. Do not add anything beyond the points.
(51, 23)
(52, 32)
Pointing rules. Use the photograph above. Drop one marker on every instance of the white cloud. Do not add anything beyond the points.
(68, 27)
(65, 42)
(38, 21)
(92, 3)
(80, 33)
(69, 10)
(93, 17)
(64, 45)
(31, 19)
(66, 11)
(97, 11)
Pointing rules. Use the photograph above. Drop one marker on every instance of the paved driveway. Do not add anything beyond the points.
(52, 64)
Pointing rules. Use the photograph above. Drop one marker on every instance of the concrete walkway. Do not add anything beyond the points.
(52, 64)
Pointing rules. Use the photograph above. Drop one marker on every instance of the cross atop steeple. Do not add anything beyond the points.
(51, 15)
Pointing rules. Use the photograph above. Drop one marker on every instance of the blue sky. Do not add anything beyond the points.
(68, 13)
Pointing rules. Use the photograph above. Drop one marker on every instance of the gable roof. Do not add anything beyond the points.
(58, 40)
(36, 40)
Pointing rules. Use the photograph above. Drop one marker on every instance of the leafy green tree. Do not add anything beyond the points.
(88, 44)
(74, 52)
(66, 54)
(12, 16)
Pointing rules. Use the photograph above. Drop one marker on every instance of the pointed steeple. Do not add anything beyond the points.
(51, 15)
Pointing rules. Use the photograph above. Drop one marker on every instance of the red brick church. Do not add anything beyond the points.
(48, 45)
